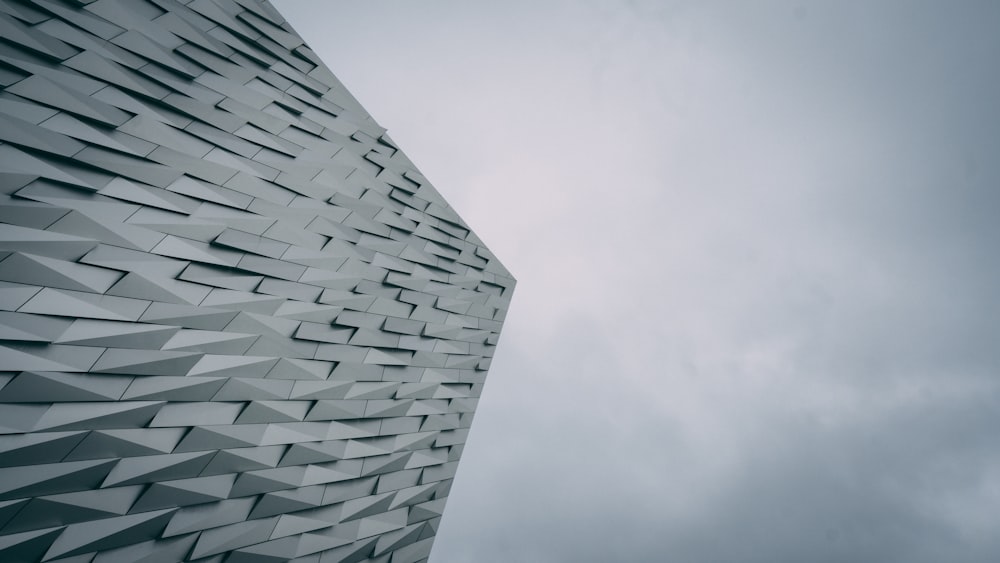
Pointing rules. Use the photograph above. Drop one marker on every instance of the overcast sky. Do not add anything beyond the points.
(757, 317)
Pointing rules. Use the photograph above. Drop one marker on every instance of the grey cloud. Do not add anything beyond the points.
(756, 250)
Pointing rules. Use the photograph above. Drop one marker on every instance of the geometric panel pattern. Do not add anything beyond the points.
(236, 323)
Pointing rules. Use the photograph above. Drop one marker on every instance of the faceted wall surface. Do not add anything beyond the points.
(236, 324)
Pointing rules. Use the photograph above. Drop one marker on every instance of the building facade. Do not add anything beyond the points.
(236, 323)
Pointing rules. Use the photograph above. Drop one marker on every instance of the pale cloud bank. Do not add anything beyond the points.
(756, 246)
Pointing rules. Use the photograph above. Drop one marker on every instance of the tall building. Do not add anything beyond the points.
(236, 323)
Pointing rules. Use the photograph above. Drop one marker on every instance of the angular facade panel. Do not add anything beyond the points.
(236, 323)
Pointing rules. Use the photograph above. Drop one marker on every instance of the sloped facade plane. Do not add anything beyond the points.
(236, 323)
